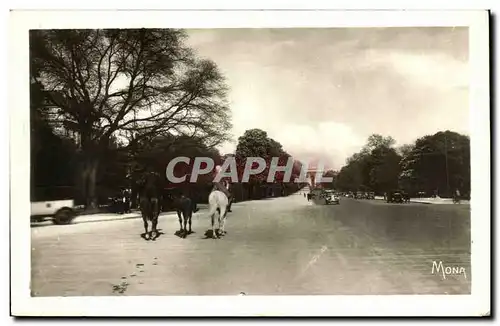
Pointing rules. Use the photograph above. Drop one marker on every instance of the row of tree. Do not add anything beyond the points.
(436, 164)
(104, 99)
(108, 104)
(253, 143)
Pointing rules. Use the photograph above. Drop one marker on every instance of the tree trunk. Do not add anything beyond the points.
(89, 178)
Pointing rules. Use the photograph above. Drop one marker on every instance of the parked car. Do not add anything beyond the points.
(371, 195)
(55, 203)
(60, 211)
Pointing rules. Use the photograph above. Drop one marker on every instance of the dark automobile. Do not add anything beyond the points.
(406, 197)
(395, 197)
(371, 195)
(331, 197)
(360, 195)
(119, 204)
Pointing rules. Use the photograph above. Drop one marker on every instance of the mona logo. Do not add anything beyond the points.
(447, 270)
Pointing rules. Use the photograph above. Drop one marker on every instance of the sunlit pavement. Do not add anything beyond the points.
(275, 246)
(437, 201)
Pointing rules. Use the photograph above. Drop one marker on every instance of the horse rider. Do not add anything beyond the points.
(223, 186)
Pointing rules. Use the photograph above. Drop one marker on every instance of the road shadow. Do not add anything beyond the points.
(159, 233)
(208, 234)
(180, 234)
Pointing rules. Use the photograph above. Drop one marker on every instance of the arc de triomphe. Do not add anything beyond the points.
(311, 176)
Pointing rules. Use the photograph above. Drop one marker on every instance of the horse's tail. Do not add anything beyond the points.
(145, 208)
(155, 208)
(150, 208)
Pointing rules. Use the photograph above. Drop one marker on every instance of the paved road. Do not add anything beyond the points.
(276, 246)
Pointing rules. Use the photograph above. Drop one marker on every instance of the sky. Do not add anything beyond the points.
(322, 92)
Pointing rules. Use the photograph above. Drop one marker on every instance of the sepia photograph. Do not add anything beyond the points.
(197, 162)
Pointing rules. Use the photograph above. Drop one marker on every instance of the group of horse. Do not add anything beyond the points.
(150, 196)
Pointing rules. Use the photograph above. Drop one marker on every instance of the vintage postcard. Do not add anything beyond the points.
(250, 163)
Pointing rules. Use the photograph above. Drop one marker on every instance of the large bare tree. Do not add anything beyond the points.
(130, 85)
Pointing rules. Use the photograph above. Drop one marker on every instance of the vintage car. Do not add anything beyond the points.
(370, 195)
(394, 197)
(60, 211)
(331, 197)
(324, 196)
(53, 203)
(360, 195)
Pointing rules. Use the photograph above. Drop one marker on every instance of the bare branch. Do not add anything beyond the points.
(131, 84)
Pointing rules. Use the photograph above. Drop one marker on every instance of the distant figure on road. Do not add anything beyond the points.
(126, 201)
(456, 196)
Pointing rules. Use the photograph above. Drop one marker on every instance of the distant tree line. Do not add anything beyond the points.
(253, 143)
(435, 164)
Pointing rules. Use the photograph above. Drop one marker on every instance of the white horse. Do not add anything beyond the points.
(218, 201)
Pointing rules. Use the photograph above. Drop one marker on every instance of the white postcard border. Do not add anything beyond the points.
(478, 303)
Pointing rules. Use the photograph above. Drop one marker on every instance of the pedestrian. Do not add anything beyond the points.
(457, 195)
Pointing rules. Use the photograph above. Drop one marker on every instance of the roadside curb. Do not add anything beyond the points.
(420, 202)
(86, 219)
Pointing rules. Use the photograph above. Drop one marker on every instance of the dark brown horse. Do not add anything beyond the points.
(184, 207)
(150, 196)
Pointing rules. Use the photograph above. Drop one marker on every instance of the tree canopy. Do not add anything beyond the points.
(126, 86)
(256, 143)
(438, 162)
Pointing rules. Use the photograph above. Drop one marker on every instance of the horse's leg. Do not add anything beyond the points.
(180, 220)
(214, 234)
(222, 219)
(146, 234)
(153, 219)
(190, 219)
(154, 223)
(185, 215)
(156, 214)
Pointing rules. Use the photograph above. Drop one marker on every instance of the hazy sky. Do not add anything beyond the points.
(322, 92)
